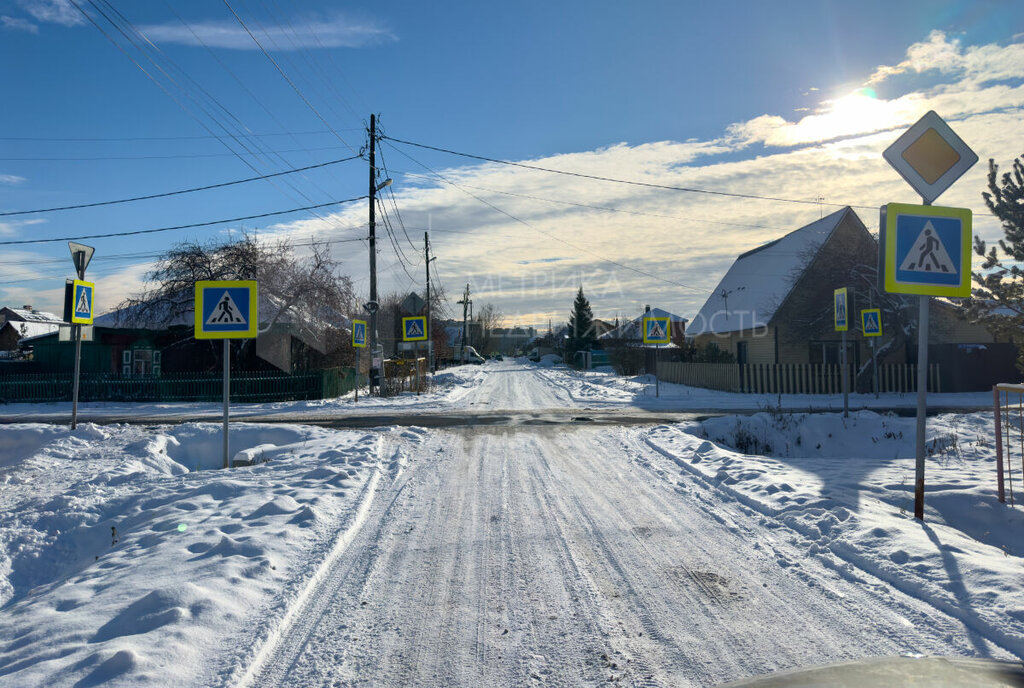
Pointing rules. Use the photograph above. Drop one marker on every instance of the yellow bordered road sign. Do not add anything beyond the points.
(414, 329)
(871, 322)
(841, 312)
(927, 250)
(656, 330)
(930, 156)
(226, 309)
(83, 298)
(359, 333)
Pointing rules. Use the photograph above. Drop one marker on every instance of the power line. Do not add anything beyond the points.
(181, 191)
(577, 204)
(549, 234)
(188, 226)
(138, 256)
(630, 182)
(113, 139)
(179, 156)
(173, 81)
(285, 76)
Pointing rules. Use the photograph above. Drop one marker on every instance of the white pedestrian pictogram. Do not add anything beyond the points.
(654, 330)
(871, 322)
(413, 329)
(83, 302)
(840, 308)
(226, 312)
(928, 254)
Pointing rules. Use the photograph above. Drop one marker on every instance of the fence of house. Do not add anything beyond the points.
(789, 378)
(246, 386)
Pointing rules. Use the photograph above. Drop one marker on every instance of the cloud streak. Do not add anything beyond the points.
(335, 32)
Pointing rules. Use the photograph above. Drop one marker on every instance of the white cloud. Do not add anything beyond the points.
(53, 11)
(971, 86)
(301, 34)
(11, 179)
(10, 227)
(689, 239)
(17, 24)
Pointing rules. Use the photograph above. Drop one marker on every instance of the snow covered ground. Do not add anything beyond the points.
(682, 554)
(495, 386)
(846, 486)
(123, 555)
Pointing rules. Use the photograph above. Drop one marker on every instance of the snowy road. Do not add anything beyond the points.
(505, 556)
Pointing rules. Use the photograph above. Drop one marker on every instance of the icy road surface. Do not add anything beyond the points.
(565, 556)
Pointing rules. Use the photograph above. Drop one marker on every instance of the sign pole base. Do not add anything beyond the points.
(922, 404)
(227, 394)
(78, 370)
(846, 380)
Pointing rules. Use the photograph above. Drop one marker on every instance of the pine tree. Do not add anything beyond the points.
(581, 327)
(998, 298)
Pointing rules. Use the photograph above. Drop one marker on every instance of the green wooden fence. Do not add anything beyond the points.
(246, 386)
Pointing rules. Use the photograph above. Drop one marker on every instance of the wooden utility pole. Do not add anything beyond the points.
(373, 247)
(466, 304)
(430, 332)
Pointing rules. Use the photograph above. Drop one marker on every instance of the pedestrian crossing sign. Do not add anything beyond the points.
(359, 333)
(414, 329)
(226, 309)
(842, 312)
(871, 322)
(927, 250)
(656, 330)
(83, 294)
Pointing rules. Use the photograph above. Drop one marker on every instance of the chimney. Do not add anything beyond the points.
(27, 307)
(647, 308)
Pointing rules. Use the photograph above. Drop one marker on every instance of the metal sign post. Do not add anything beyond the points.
(927, 250)
(226, 309)
(79, 306)
(358, 342)
(656, 331)
(842, 324)
(871, 326)
(414, 329)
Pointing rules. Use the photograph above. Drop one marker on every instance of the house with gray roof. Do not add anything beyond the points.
(775, 305)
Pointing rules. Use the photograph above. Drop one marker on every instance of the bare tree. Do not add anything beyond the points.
(308, 288)
(489, 319)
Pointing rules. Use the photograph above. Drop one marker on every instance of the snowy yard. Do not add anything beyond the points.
(670, 554)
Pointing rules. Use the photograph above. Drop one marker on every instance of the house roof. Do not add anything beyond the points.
(29, 330)
(31, 316)
(631, 329)
(760, 280)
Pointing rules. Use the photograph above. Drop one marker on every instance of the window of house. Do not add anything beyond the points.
(827, 352)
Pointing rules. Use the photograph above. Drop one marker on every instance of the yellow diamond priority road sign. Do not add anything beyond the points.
(930, 156)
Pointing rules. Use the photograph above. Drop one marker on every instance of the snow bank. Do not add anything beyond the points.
(122, 563)
(846, 487)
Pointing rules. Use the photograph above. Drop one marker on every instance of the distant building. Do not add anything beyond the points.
(17, 324)
(774, 305)
(632, 330)
(126, 342)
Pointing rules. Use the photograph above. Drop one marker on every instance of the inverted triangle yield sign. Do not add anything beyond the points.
(226, 312)
(928, 254)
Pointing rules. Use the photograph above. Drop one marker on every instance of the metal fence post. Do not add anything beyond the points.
(997, 411)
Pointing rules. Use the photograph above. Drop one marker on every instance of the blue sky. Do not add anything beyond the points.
(758, 98)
